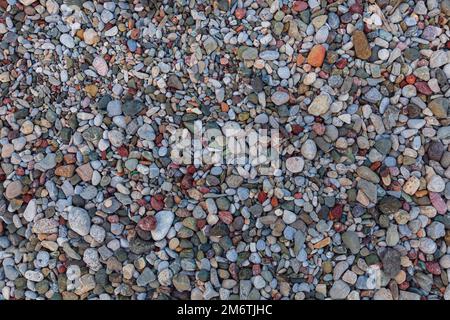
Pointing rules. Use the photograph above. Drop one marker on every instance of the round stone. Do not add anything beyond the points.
(309, 149)
(79, 221)
(295, 164)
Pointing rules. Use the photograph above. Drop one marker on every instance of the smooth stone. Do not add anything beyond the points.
(339, 290)
(79, 221)
(13, 190)
(279, 98)
(164, 221)
(361, 44)
(132, 107)
(309, 149)
(67, 40)
(436, 184)
(269, 55)
(351, 241)
(427, 245)
(295, 164)
(30, 211)
(320, 105)
(391, 262)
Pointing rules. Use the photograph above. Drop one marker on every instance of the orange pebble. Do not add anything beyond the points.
(300, 60)
(134, 34)
(240, 28)
(421, 193)
(316, 55)
(80, 34)
(411, 79)
(224, 107)
(274, 202)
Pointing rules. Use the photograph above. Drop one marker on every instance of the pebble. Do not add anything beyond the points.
(100, 66)
(13, 190)
(164, 221)
(94, 206)
(295, 164)
(67, 40)
(79, 221)
(320, 105)
(351, 241)
(361, 44)
(309, 150)
(339, 290)
(279, 98)
(316, 56)
(30, 211)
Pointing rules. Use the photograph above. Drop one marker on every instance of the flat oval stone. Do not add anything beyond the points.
(79, 221)
(164, 221)
(132, 107)
(362, 47)
(279, 98)
(295, 164)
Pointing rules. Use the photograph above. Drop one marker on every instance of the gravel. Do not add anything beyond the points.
(94, 205)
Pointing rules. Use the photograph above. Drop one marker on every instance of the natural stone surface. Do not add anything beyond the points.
(262, 150)
(79, 221)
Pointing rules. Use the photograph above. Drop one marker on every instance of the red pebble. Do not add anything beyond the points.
(201, 223)
(147, 223)
(187, 182)
(240, 13)
(336, 212)
(319, 129)
(157, 202)
(356, 8)
(226, 217)
(404, 285)
(262, 196)
(421, 256)
(62, 268)
(339, 227)
(433, 267)
(412, 255)
(423, 88)
(27, 198)
(204, 190)
(297, 129)
(191, 169)
(113, 219)
(141, 202)
(323, 74)
(233, 269)
(299, 6)
(340, 64)
(122, 151)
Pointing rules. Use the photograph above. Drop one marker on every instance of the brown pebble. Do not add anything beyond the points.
(65, 171)
(362, 47)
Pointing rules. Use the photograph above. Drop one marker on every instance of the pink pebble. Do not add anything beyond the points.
(438, 202)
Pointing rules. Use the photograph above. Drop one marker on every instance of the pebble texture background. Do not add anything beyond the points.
(92, 206)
